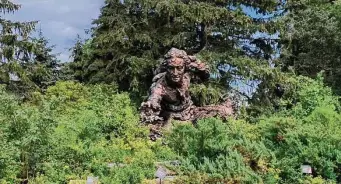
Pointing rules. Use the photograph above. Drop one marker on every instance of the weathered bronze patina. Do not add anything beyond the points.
(169, 96)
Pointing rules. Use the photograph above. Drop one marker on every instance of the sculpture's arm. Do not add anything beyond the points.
(199, 69)
(151, 109)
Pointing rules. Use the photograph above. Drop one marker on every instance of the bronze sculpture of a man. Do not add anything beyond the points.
(169, 96)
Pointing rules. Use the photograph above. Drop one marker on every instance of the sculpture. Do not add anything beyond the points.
(169, 96)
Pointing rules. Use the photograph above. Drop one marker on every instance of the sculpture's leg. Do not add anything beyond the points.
(156, 127)
(155, 130)
(223, 110)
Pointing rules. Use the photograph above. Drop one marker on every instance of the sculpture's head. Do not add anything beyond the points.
(175, 64)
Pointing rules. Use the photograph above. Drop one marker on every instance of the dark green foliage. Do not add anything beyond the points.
(15, 45)
(43, 71)
(128, 39)
(310, 40)
(27, 63)
(80, 54)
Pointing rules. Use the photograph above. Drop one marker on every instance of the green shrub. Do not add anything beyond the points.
(75, 131)
(72, 132)
(272, 149)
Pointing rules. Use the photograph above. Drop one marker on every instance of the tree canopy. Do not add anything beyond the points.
(129, 38)
(310, 40)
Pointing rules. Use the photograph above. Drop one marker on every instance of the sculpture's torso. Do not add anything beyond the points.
(169, 96)
(174, 98)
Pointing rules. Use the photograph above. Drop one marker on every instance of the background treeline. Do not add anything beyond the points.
(279, 60)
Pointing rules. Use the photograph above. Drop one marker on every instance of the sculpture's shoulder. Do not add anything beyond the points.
(159, 77)
(158, 82)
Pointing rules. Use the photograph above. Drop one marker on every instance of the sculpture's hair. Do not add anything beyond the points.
(173, 52)
(177, 53)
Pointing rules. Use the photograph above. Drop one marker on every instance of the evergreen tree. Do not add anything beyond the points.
(80, 53)
(310, 40)
(27, 63)
(44, 69)
(16, 48)
(129, 37)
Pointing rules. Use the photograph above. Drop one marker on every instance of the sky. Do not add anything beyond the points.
(59, 20)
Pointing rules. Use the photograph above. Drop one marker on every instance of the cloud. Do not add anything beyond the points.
(61, 29)
(60, 20)
(64, 57)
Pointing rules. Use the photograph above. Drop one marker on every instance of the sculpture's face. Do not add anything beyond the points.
(176, 69)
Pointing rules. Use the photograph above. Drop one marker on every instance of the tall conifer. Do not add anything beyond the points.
(130, 36)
